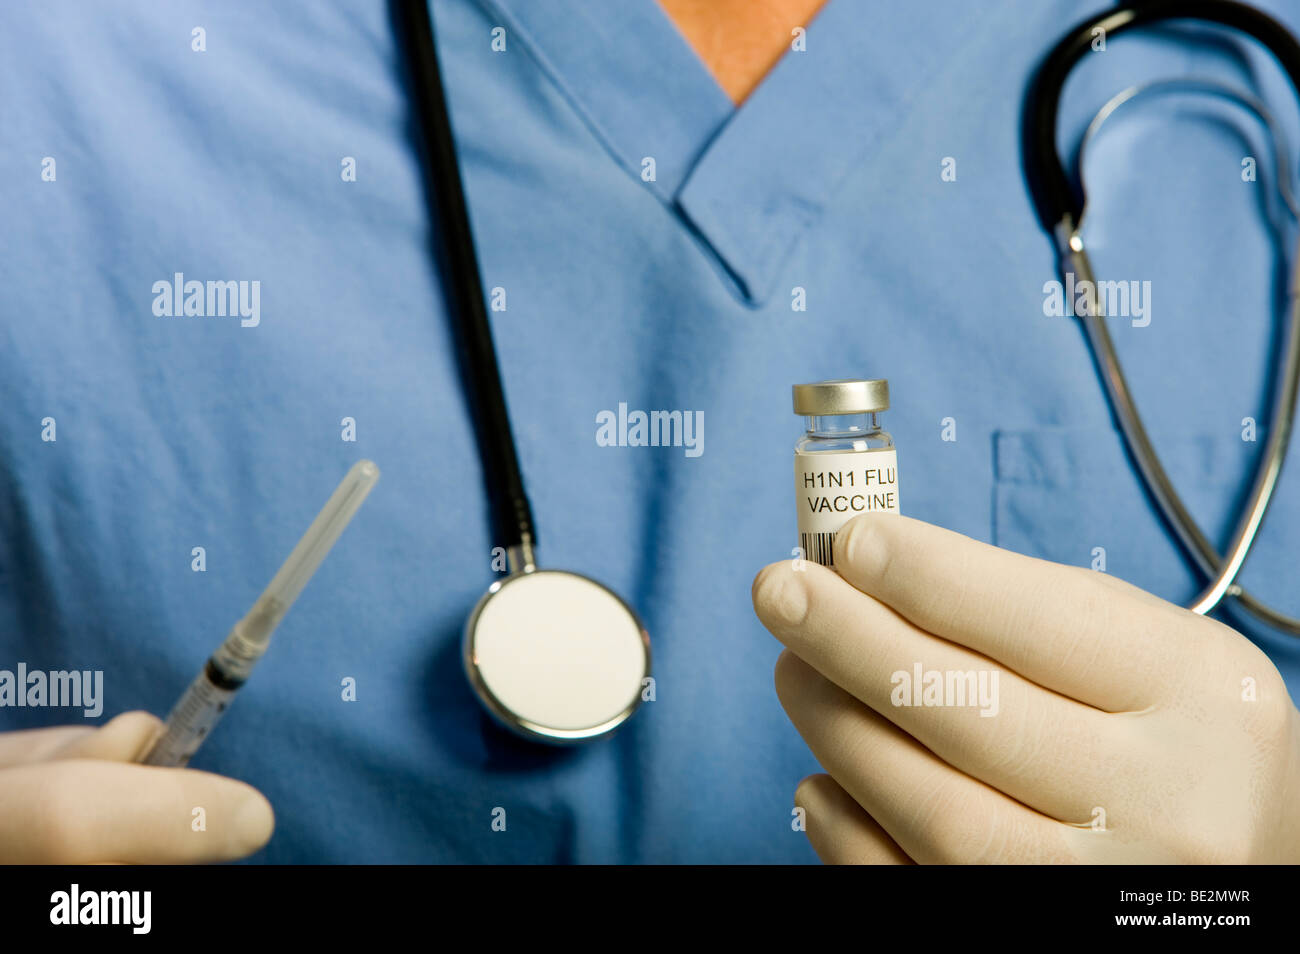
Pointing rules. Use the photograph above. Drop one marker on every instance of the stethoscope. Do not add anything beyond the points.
(553, 656)
(557, 657)
(1061, 204)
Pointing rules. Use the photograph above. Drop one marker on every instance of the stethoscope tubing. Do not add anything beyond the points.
(512, 515)
(1060, 204)
(1057, 196)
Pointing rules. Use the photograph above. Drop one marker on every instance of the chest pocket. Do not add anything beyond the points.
(1072, 495)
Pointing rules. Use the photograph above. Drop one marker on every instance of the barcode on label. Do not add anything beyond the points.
(818, 547)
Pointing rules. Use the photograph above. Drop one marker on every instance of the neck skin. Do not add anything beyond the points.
(740, 40)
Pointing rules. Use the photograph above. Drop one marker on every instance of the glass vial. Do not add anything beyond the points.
(845, 463)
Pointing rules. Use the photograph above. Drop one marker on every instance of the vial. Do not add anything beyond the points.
(845, 463)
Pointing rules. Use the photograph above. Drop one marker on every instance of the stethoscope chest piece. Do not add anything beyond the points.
(556, 657)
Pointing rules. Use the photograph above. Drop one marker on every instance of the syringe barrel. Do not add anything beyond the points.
(193, 717)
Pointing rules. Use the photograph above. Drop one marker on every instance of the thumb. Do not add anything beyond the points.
(123, 738)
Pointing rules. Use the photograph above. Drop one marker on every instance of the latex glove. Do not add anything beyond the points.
(1114, 706)
(69, 795)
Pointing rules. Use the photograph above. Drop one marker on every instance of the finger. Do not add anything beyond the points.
(1029, 742)
(933, 812)
(122, 739)
(1082, 633)
(840, 831)
(36, 745)
(83, 811)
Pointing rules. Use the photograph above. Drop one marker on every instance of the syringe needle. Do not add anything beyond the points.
(310, 551)
(203, 703)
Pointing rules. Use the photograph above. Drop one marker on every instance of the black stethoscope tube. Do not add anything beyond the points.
(511, 514)
(1057, 197)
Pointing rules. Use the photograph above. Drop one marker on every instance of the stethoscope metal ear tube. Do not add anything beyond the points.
(1060, 205)
(1222, 571)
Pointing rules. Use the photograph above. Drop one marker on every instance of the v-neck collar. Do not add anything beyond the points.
(751, 180)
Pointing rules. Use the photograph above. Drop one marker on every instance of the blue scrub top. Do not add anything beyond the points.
(652, 246)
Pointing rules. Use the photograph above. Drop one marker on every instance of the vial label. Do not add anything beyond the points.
(833, 487)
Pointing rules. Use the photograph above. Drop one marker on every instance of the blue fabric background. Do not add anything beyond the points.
(672, 294)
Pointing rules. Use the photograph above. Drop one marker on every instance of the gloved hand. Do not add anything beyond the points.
(1127, 729)
(69, 795)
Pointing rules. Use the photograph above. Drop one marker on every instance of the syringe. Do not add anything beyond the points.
(207, 698)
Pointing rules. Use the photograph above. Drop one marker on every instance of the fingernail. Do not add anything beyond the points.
(252, 824)
(862, 546)
(782, 595)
